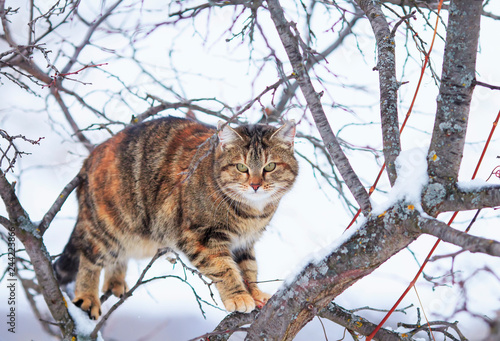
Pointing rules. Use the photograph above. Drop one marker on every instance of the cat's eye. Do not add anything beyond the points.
(270, 167)
(242, 168)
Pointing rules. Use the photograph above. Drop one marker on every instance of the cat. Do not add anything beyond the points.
(173, 182)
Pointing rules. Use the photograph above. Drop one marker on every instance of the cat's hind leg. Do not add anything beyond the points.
(114, 279)
(87, 288)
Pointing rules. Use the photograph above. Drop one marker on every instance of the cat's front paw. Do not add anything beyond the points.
(243, 303)
(88, 303)
(260, 298)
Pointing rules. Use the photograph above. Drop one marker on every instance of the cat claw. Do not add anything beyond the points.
(260, 298)
(259, 304)
(90, 306)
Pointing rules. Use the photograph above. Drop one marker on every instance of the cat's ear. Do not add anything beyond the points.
(227, 135)
(285, 133)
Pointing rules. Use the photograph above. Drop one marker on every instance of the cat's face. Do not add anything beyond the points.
(256, 165)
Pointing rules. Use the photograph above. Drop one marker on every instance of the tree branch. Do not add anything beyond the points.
(164, 105)
(9, 197)
(29, 66)
(81, 137)
(56, 206)
(5, 24)
(388, 84)
(358, 324)
(455, 92)
(466, 241)
(297, 302)
(462, 200)
(486, 85)
(291, 45)
(231, 322)
(27, 233)
(5, 222)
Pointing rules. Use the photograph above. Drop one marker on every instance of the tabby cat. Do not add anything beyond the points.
(176, 183)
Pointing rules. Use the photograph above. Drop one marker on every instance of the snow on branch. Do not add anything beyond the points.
(471, 195)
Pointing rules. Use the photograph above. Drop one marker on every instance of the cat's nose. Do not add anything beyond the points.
(255, 186)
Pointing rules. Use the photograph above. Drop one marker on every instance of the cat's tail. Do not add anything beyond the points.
(66, 266)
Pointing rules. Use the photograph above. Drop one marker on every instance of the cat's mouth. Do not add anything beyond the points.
(256, 195)
(259, 196)
(256, 199)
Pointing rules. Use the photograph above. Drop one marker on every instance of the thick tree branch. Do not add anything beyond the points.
(27, 233)
(5, 222)
(455, 92)
(9, 197)
(332, 312)
(461, 200)
(291, 45)
(296, 303)
(388, 84)
(231, 322)
(466, 241)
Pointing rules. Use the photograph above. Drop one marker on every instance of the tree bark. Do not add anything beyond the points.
(465, 241)
(455, 93)
(358, 324)
(460, 199)
(388, 84)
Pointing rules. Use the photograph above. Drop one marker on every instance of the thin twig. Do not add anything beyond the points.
(56, 206)
(486, 85)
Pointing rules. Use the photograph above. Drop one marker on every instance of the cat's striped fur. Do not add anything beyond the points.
(178, 183)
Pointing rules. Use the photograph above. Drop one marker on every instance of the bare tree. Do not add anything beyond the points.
(69, 48)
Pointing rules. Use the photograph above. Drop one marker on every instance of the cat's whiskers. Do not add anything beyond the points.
(278, 194)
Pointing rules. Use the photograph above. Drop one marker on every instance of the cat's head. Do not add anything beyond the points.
(255, 163)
